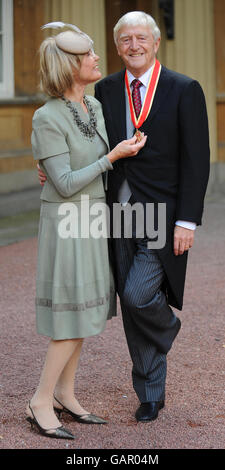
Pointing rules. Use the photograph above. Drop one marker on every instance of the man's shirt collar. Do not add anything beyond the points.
(144, 79)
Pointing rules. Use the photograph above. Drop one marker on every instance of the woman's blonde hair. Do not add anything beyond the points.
(56, 68)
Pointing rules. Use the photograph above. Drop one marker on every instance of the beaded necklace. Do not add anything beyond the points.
(87, 129)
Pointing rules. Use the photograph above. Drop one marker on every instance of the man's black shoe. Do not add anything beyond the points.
(149, 411)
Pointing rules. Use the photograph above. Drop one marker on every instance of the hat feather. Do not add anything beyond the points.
(60, 24)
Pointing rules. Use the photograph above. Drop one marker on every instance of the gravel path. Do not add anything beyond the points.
(194, 415)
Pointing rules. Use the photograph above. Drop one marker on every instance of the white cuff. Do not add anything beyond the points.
(185, 224)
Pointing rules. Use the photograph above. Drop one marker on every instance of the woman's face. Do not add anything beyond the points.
(89, 70)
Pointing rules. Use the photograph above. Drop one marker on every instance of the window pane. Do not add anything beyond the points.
(1, 64)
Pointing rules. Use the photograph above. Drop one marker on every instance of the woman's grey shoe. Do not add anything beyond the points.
(58, 433)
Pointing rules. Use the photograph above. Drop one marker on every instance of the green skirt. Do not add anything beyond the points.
(75, 292)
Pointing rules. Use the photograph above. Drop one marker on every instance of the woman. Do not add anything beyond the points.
(73, 298)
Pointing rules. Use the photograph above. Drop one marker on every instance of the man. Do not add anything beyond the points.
(172, 168)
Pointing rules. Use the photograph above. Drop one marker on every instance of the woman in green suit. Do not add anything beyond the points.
(74, 294)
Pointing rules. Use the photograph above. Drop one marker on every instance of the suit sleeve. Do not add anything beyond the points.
(69, 182)
(194, 154)
(47, 139)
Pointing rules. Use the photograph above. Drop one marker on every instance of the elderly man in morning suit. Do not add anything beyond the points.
(171, 168)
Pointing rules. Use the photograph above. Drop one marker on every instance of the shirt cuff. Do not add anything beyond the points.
(185, 224)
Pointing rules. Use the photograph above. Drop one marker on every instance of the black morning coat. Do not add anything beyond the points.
(173, 166)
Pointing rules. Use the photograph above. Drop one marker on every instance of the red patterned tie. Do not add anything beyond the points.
(136, 96)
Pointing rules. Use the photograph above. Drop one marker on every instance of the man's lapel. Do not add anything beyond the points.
(117, 104)
(163, 88)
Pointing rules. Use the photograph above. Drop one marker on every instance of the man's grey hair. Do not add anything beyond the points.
(136, 18)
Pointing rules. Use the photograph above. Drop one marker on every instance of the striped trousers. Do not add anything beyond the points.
(150, 324)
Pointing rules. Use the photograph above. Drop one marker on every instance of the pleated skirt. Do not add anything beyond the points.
(75, 292)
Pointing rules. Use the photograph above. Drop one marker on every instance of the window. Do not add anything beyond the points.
(6, 49)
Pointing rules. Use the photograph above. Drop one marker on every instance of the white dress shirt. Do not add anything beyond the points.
(144, 79)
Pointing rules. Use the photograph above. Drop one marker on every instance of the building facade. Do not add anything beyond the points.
(193, 43)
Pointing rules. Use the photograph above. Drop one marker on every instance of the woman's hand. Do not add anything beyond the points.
(126, 148)
(42, 177)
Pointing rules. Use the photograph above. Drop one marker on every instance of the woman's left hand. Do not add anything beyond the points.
(41, 175)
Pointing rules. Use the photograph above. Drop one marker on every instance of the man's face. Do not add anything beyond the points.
(137, 48)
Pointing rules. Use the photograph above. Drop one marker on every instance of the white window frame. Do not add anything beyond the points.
(7, 85)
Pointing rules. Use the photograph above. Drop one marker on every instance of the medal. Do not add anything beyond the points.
(139, 135)
(147, 103)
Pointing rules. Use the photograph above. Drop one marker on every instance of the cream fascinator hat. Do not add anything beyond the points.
(73, 40)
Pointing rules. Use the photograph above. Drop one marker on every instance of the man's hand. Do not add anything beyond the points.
(183, 239)
(41, 176)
